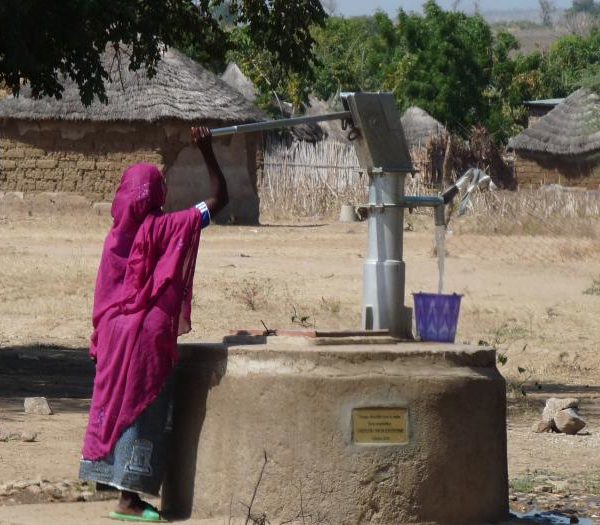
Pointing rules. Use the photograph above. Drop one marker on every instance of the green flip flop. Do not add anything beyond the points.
(150, 514)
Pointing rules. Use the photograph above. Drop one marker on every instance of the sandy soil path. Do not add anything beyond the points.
(522, 294)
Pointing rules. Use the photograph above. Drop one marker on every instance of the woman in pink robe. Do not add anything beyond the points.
(142, 303)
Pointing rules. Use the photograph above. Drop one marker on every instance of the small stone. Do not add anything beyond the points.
(560, 485)
(28, 437)
(542, 426)
(52, 490)
(569, 421)
(34, 489)
(544, 488)
(23, 484)
(556, 404)
(10, 436)
(37, 405)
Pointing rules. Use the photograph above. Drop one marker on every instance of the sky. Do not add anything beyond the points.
(367, 7)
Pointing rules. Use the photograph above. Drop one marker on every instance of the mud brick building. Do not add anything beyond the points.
(49, 145)
(563, 146)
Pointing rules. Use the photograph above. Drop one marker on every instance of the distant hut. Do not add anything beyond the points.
(536, 109)
(562, 147)
(63, 146)
(419, 127)
(234, 78)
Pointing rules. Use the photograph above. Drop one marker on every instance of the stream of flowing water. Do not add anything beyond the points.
(440, 249)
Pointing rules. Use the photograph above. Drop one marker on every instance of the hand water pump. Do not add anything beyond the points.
(383, 153)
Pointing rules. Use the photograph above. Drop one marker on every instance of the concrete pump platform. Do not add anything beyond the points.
(339, 431)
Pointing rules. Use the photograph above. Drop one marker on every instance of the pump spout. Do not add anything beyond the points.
(437, 203)
(472, 179)
(456, 188)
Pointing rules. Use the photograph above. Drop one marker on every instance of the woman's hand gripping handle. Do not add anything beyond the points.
(219, 198)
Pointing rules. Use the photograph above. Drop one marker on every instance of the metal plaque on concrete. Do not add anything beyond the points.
(380, 426)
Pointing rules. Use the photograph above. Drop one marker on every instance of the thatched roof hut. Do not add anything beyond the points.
(419, 126)
(572, 128)
(234, 78)
(62, 145)
(564, 145)
(181, 89)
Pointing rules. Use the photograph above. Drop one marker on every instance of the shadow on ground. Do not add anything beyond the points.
(63, 375)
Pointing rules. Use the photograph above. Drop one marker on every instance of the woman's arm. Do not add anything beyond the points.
(219, 198)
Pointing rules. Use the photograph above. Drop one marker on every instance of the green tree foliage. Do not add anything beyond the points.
(569, 61)
(273, 81)
(447, 66)
(350, 53)
(355, 54)
(503, 99)
(280, 71)
(452, 65)
(445, 62)
(43, 42)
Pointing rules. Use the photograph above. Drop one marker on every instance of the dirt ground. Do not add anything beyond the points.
(523, 294)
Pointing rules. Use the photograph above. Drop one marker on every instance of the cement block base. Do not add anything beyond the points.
(441, 461)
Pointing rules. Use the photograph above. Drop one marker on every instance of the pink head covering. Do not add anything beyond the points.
(142, 302)
(141, 192)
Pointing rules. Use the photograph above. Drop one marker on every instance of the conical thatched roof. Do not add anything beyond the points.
(181, 89)
(419, 126)
(571, 128)
(234, 78)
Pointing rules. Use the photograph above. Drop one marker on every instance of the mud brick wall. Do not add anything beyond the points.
(533, 171)
(88, 159)
(85, 158)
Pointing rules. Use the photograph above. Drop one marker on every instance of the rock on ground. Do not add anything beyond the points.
(569, 421)
(25, 436)
(37, 405)
(556, 404)
(543, 426)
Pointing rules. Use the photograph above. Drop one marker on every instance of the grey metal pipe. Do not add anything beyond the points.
(267, 125)
(420, 201)
(384, 269)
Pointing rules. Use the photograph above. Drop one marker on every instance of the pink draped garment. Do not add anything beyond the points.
(142, 303)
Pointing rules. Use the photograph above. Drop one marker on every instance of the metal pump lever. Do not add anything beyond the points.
(267, 125)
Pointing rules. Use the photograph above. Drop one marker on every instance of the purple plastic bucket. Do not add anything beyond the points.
(436, 316)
